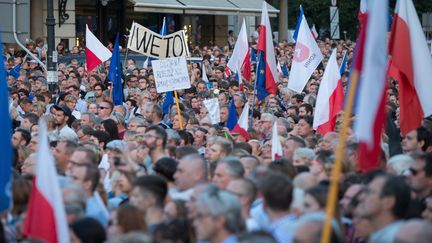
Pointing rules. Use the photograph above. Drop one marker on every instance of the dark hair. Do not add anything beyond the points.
(32, 117)
(156, 185)
(319, 193)
(298, 97)
(284, 166)
(427, 159)
(424, 135)
(308, 119)
(397, 187)
(307, 107)
(243, 145)
(173, 231)
(129, 218)
(158, 111)
(25, 135)
(166, 167)
(186, 136)
(90, 156)
(102, 136)
(277, 191)
(92, 174)
(111, 128)
(89, 230)
(160, 132)
(182, 151)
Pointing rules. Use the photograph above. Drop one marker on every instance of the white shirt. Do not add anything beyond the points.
(68, 133)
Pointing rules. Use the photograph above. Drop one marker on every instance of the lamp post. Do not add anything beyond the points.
(52, 53)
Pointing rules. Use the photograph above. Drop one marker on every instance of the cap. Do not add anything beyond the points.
(63, 108)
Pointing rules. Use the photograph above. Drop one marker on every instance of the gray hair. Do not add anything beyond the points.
(223, 203)
(92, 116)
(200, 161)
(271, 117)
(400, 163)
(305, 153)
(174, 135)
(234, 166)
(336, 236)
(74, 198)
(138, 120)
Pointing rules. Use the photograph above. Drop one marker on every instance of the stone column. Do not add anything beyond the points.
(283, 19)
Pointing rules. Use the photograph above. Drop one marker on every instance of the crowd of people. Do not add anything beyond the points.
(138, 172)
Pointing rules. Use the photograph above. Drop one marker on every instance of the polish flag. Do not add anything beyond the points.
(276, 143)
(240, 125)
(46, 215)
(278, 67)
(411, 65)
(265, 45)
(240, 52)
(371, 95)
(246, 73)
(314, 32)
(330, 98)
(362, 14)
(96, 52)
(307, 57)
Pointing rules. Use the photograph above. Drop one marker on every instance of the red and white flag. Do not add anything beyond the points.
(240, 52)
(96, 52)
(314, 32)
(276, 143)
(362, 14)
(46, 215)
(411, 66)
(330, 97)
(265, 45)
(371, 94)
(307, 57)
(243, 123)
(278, 67)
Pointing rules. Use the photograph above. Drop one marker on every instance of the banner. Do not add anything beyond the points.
(171, 74)
(158, 46)
(213, 109)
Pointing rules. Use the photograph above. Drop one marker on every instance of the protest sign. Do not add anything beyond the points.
(171, 74)
(158, 46)
(213, 109)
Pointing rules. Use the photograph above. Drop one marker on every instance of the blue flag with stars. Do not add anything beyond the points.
(115, 74)
(261, 84)
(5, 142)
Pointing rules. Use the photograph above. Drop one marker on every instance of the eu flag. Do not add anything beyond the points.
(168, 102)
(115, 74)
(15, 71)
(261, 78)
(5, 142)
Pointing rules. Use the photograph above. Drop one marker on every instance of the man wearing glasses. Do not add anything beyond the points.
(420, 176)
(105, 109)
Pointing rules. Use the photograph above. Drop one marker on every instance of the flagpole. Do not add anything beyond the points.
(178, 110)
(125, 58)
(254, 89)
(340, 153)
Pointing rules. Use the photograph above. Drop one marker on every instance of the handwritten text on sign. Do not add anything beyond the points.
(152, 44)
(171, 74)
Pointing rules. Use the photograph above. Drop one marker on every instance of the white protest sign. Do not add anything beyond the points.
(213, 109)
(154, 45)
(171, 74)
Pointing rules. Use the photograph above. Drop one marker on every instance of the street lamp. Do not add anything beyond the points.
(52, 54)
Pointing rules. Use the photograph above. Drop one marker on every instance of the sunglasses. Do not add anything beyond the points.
(102, 108)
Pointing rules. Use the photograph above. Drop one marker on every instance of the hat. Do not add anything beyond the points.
(117, 144)
(63, 108)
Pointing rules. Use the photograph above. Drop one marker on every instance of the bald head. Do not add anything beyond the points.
(304, 181)
(418, 231)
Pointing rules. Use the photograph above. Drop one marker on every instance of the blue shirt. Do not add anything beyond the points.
(96, 209)
(283, 228)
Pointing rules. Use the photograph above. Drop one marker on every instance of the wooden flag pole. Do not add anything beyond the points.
(178, 110)
(340, 154)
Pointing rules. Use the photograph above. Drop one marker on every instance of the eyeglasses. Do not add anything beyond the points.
(103, 108)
